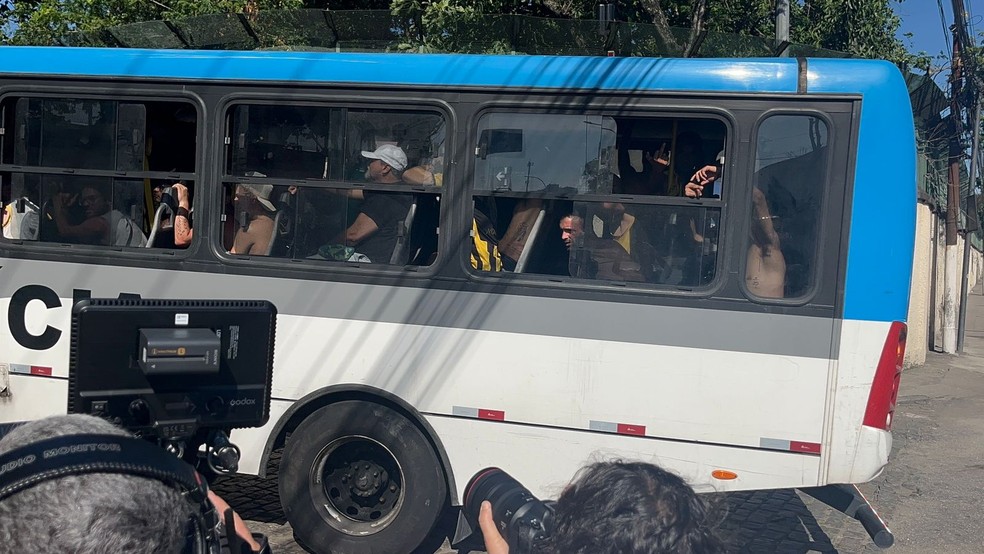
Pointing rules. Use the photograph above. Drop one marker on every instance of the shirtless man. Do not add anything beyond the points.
(94, 227)
(254, 237)
(101, 224)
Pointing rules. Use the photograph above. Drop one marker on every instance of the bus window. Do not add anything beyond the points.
(597, 197)
(70, 144)
(342, 207)
(787, 198)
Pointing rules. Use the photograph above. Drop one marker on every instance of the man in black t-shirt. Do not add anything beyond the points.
(375, 230)
(386, 210)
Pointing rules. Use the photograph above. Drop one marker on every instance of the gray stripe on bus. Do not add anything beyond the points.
(774, 334)
(462, 411)
(603, 426)
(774, 444)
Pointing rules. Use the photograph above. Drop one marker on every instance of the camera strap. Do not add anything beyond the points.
(29, 465)
(235, 542)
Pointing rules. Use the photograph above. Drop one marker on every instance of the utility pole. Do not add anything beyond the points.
(782, 25)
(950, 267)
(971, 217)
(960, 28)
(606, 17)
(782, 21)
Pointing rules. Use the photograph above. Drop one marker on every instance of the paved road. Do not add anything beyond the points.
(931, 495)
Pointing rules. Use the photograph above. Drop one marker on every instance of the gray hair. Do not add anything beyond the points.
(90, 513)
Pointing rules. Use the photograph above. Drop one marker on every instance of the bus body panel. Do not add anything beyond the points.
(541, 376)
(543, 369)
(861, 451)
(33, 397)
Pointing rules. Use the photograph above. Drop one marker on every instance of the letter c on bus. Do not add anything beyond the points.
(17, 317)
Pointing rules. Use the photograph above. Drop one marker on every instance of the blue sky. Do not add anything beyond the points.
(922, 19)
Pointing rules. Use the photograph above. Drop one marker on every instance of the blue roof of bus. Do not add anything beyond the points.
(554, 72)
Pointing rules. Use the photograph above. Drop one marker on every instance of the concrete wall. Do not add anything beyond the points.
(922, 266)
(925, 317)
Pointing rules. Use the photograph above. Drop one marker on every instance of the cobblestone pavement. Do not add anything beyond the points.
(930, 495)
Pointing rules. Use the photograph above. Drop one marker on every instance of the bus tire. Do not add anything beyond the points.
(358, 477)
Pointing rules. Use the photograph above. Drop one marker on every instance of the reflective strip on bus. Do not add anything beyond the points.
(24, 369)
(790, 445)
(618, 428)
(478, 413)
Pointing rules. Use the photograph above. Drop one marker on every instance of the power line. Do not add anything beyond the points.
(970, 21)
(946, 31)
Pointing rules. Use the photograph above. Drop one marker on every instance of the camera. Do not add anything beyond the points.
(522, 519)
(182, 373)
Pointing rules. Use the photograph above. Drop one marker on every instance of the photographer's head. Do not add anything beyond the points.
(630, 508)
(90, 512)
(620, 508)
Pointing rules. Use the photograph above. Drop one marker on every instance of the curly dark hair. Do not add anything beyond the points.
(623, 507)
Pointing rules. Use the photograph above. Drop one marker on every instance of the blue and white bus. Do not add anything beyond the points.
(546, 293)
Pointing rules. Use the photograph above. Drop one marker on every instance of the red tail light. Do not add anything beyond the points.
(885, 388)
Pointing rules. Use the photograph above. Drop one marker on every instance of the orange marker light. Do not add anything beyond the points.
(724, 475)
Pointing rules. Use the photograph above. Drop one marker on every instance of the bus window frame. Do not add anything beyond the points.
(135, 92)
(333, 98)
(823, 214)
(610, 105)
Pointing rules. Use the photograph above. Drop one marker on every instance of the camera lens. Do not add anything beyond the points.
(520, 516)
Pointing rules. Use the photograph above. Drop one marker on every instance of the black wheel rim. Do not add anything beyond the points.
(361, 483)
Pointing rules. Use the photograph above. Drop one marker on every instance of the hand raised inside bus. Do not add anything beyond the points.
(183, 232)
(659, 159)
(64, 199)
(703, 177)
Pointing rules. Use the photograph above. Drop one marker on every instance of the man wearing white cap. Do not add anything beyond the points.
(387, 165)
(375, 230)
(254, 217)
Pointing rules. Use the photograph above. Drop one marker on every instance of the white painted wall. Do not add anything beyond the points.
(920, 304)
